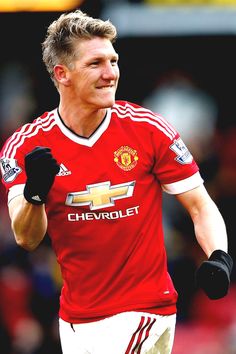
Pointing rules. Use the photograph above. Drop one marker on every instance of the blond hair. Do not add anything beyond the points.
(58, 46)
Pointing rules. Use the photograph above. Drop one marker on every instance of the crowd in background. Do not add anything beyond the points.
(30, 283)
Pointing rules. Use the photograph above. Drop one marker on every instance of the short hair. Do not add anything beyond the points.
(58, 46)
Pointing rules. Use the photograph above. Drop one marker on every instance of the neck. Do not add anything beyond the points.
(81, 121)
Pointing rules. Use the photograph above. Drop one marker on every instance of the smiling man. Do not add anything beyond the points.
(91, 173)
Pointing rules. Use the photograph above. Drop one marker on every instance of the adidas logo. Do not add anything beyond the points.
(37, 198)
(63, 171)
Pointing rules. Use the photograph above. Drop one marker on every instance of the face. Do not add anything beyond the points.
(95, 74)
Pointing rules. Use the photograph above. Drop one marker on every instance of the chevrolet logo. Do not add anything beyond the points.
(100, 195)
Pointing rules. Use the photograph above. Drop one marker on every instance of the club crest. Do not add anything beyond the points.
(126, 158)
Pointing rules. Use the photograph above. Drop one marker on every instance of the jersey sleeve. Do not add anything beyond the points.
(174, 166)
(12, 167)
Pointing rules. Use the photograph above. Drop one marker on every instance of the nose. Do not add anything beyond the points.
(110, 71)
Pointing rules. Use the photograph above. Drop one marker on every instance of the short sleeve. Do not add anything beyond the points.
(174, 167)
(12, 165)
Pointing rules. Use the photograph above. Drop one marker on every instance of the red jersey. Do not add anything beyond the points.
(105, 207)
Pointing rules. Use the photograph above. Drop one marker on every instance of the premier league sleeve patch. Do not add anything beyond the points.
(183, 155)
(9, 169)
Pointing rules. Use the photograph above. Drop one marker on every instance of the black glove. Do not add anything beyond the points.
(213, 276)
(41, 169)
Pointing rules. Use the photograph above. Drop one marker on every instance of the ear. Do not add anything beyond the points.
(61, 74)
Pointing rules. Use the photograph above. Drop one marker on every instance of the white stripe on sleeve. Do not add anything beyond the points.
(14, 191)
(184, 185)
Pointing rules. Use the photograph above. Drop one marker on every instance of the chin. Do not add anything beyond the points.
(107, 103)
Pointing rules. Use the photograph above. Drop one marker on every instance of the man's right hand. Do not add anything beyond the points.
(41, 169)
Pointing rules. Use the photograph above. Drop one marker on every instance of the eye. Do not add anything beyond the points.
(114, 62)
(94, 63)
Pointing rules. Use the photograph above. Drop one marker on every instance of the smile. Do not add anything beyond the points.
(105, 87)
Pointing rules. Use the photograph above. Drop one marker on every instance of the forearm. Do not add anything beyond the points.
(213, 276)
(208, 223)
(210, 229)
(29, 222)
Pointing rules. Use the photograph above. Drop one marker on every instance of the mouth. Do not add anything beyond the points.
(107, 87)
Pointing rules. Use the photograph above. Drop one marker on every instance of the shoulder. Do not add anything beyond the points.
(25, 134)
(141, 115)
(133, 108)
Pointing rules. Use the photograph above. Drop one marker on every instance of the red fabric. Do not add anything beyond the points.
(111, 247)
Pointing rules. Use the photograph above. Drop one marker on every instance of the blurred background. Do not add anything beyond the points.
(177, 58)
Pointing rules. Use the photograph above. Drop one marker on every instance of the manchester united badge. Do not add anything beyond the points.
(126, 158)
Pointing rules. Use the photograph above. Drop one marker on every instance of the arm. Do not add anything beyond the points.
(213, 275)
(208, 223)
(29, 222)
(27, 211)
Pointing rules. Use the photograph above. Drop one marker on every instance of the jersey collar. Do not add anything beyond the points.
(79, 139)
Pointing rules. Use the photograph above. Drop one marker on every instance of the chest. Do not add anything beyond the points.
(115, 167)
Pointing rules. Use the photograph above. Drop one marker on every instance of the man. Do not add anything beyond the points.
(91, 173)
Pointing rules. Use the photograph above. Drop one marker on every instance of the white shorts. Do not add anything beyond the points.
(124, 333)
